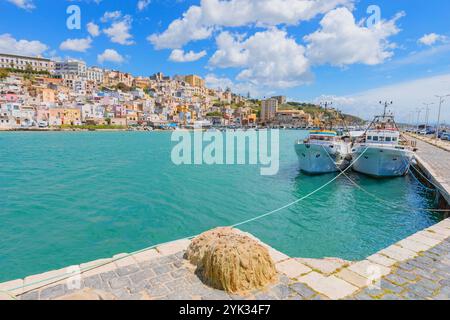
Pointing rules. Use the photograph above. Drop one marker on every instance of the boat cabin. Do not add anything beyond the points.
(383, 137)
(320, 135)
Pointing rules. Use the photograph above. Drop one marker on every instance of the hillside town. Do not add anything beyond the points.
(38, 93)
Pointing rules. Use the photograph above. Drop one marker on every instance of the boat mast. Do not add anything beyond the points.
(325, 106)
(386, 105)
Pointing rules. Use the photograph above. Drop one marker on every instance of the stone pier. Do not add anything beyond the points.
(433, 161)
(417, 267)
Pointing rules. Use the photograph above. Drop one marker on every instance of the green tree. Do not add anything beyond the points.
(214, 114)
(123, 87)
(29, 68)
(3, 73)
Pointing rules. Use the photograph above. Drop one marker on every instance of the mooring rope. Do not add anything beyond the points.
(57, 278)
(303, 198)
(420, 182)
(431, 182)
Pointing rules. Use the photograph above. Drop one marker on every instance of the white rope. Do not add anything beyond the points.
(303, 198)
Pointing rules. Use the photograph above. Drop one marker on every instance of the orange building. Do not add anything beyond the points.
(195, 81)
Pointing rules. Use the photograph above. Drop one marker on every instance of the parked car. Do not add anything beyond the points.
(445, 136)
(42, 124)
(441, 133)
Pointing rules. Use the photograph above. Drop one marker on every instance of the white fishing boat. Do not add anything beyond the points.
(381, 151)
(323, 151)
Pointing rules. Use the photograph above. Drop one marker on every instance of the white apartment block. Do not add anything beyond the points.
(22, 62)
(71, 67)
(95, 74)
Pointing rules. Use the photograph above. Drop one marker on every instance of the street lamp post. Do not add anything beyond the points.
(427, 117)
(419, 111)
(441, 101)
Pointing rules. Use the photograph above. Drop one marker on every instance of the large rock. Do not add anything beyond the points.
(232, 262)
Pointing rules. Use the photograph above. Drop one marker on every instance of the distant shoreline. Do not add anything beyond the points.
(76, 130)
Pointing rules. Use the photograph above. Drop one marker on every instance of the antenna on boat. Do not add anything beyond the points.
(386, 104)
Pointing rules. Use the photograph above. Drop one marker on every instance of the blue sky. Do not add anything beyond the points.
(307, 50)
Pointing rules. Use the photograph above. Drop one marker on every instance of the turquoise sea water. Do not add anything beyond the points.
(69, 198)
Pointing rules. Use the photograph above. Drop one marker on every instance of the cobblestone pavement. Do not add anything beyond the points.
(437, 158)
(423, 278)
(173, 278)
(417, 267)
(168, 278)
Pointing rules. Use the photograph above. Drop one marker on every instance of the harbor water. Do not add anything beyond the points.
(72, 197)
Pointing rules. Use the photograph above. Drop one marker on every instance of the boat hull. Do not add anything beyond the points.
(318, 159)
(382, 162)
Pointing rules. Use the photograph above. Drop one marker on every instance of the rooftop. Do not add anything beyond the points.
(24, 57)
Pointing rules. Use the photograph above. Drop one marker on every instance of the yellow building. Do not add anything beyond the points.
(62, 116)
(141, 82)
(72, 116)
(195, 81)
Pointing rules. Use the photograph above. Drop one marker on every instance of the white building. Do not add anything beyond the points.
(92, 112)
(71, 67)
(95, 74)
(22, 62)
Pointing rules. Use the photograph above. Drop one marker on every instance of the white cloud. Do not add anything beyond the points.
(93, 29)
(78, 45)
(178, 55)
(242, 88)
(111, 15)
(10, 45)
(23, 4)
(337, 100)
(432, 38)
(265, 12)
(268, 58)
(428, 56)
(142, 4)
(182, 31)
(110, 55)
(119, 32)
(407, 97)
(341, 41)
(198, 22)
(230, 52)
